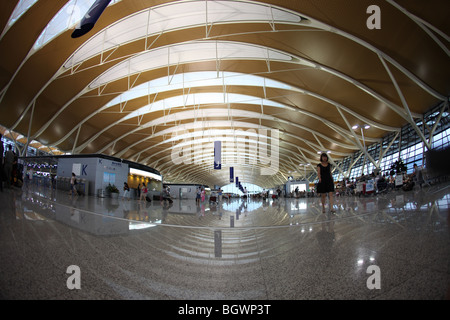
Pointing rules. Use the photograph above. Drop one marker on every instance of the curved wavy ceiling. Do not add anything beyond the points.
(276, 81)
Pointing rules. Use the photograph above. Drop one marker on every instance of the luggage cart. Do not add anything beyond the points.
(365, 189)
(213, 198)
(360, 188)
(370, 187)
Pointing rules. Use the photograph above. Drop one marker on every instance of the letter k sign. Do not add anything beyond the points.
(83, 170)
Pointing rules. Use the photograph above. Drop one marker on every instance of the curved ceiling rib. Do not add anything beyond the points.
(218, 113)
(209, 79)
(227, 123)
(66, 18)
(229, 50)
(257, 12)
(426, 26)
(199, 99)
(135, 84)
(215, 51)
(248, 10)
(21, 7)
(177, 16)
(226, 80)
(320, 25)
(180, 81)
(211, 129)
(190, 52)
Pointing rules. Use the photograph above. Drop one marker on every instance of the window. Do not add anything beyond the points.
(196, 80)
(109, 178)
(194, 51)
(177, 16)
(20, 9)
(441, 140)
(251, 188)
(408, 146)
(68, 17)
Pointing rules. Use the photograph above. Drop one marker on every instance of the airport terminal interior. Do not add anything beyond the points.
(170, 150)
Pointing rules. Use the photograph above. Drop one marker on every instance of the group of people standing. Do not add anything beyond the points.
(201, 195)
(143, 193)
(325, 186)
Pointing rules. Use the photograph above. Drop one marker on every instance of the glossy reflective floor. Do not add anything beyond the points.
(279, 249)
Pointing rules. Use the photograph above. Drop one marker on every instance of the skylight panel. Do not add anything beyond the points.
(189, 52)
(202, 99)
(176, 16)
(67, 18)
(21, 7)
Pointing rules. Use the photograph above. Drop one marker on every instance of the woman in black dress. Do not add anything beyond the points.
(326, 183)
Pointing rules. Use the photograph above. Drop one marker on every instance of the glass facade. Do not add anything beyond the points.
(251, 188)
(31, 152)
(407, 146)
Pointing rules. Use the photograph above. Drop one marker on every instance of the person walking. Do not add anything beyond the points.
(126, 191)
(139, 191)
(9, 162)
(143, 192)
(166, 195)
(73, 182)
(203, 194)
(418, 175)
(326, 183)
(198, 196)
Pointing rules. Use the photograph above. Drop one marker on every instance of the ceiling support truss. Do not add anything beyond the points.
(405, 104)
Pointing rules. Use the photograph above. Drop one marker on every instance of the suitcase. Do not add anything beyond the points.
(147, 198)
(163, 199)
(80, 193)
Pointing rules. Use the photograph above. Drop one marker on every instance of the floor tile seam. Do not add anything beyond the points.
(410, 275)
(159, 245)
(43, 282)
(110, 284)
(189, 245)
(171, 285)
(121, 251)
(432, 267)
(211, 227)
(389, 255)
(100, 254)
(261, 267)
(48, 256)
(94, 272)
(374, 294)
(398, 285)
(417, 270)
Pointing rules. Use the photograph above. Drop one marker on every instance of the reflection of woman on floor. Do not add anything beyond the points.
(203, 194)
(143, 192)
(326, 236)
(326, 184)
